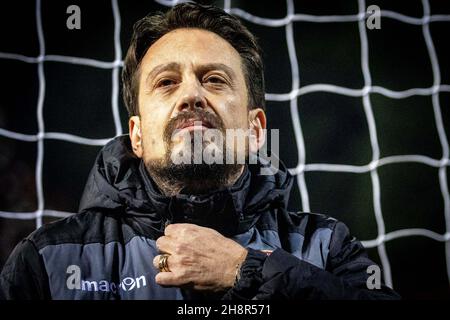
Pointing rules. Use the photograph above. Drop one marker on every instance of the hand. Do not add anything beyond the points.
(199, 257)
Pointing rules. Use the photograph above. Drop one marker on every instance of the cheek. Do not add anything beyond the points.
(154, 115)
(152, 136)
(233, 111)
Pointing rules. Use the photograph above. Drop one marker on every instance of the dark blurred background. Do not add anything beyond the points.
(78, 101)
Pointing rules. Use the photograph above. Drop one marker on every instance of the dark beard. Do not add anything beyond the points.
(191, 178)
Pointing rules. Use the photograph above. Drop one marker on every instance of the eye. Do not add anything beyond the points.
(215, 80)
(165, 83)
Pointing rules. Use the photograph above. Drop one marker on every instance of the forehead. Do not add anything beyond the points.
(191, 47)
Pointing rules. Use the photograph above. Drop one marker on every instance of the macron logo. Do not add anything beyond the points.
(74, 282)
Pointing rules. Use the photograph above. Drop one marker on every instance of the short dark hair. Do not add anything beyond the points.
(192, 15)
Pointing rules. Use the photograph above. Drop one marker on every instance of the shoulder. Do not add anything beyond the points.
(86, 227)
(307, 222)
(308, 236)
(317, 225)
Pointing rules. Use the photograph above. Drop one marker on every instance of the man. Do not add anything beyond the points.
(150, 227)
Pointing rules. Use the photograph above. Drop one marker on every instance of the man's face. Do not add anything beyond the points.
(188, 74)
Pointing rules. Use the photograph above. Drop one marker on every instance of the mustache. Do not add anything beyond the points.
(173, 124)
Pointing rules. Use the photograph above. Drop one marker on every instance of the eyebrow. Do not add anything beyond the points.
(174, 66)
(216, 66)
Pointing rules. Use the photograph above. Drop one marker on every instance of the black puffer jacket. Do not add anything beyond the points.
(106, 250)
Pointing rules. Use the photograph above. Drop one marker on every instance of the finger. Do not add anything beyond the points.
(174, 229)
(169, 279)
(156, 260)
(165, 244)
(170, 229)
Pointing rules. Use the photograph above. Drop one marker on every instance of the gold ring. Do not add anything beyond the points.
(162, 264)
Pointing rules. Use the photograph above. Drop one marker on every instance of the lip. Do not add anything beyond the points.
(190, 124)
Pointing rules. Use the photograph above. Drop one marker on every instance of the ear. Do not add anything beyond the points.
(134, 125)
(257, 126)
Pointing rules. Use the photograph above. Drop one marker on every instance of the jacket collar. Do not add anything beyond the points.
(120, 184)
(220, 209)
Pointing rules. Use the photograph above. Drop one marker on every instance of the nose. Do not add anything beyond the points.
(192, 97)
